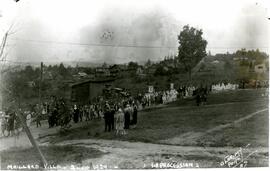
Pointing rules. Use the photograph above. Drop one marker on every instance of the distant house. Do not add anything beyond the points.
(260, 68)
(152, 69)
(240, 58)
(139, 71)
(47, 75)
(215, 62)
(115, 70)
(82, 74)
(123, 67)
(102, 72)
(165, 68)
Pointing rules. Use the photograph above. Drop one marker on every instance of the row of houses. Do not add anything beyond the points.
(122, 69)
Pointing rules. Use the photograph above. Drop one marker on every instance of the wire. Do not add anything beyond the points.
(128, 46)
(16, 62)
(109, 45)
(90, 44)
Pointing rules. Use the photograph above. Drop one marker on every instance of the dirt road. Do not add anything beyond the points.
(123, 154)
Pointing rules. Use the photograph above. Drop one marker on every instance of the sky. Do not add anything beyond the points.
(115, 31)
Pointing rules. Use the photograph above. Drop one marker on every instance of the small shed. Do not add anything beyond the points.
(86, 91)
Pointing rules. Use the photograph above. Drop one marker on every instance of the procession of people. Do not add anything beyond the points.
(119, 114)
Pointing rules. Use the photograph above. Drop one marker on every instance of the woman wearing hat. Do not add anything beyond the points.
(120, 121)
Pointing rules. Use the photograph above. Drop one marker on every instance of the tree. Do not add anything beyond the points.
(160, 71)
(29, 73)
(192, 47)
(148, 63)
(62, 70)
(133, 65)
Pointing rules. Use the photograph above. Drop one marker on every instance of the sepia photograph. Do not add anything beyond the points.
(132, 84)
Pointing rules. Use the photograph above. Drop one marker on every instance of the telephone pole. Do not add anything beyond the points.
(32, 140)
(40, 82)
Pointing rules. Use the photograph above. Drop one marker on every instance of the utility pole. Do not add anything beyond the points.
(40, 82)
(2, 57)
(32, 140)
(30, 136)
(3, 44)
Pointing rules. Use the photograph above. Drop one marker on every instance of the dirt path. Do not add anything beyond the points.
(189, 137)
(122, 154)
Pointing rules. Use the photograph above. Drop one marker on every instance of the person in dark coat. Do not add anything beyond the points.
(76, 114)
(127, 117)
(11, 123)
(54, 117)
(65, 115)
(51, 114)
(198, 99)
(204, 98)
(50, 122)
(112, 113)
(134, 116)
(107, 118)
(38, 118)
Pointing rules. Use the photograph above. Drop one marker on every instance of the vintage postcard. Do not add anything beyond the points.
(130, 84)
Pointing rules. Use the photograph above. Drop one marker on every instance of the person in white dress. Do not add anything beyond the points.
(28, 119)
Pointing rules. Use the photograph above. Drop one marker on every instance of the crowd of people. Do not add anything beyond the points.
(59, 113)
(223, 87)
(159, 97)
(120, 117)
(119, 114)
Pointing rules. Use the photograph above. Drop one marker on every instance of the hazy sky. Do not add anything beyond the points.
(68, 30)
